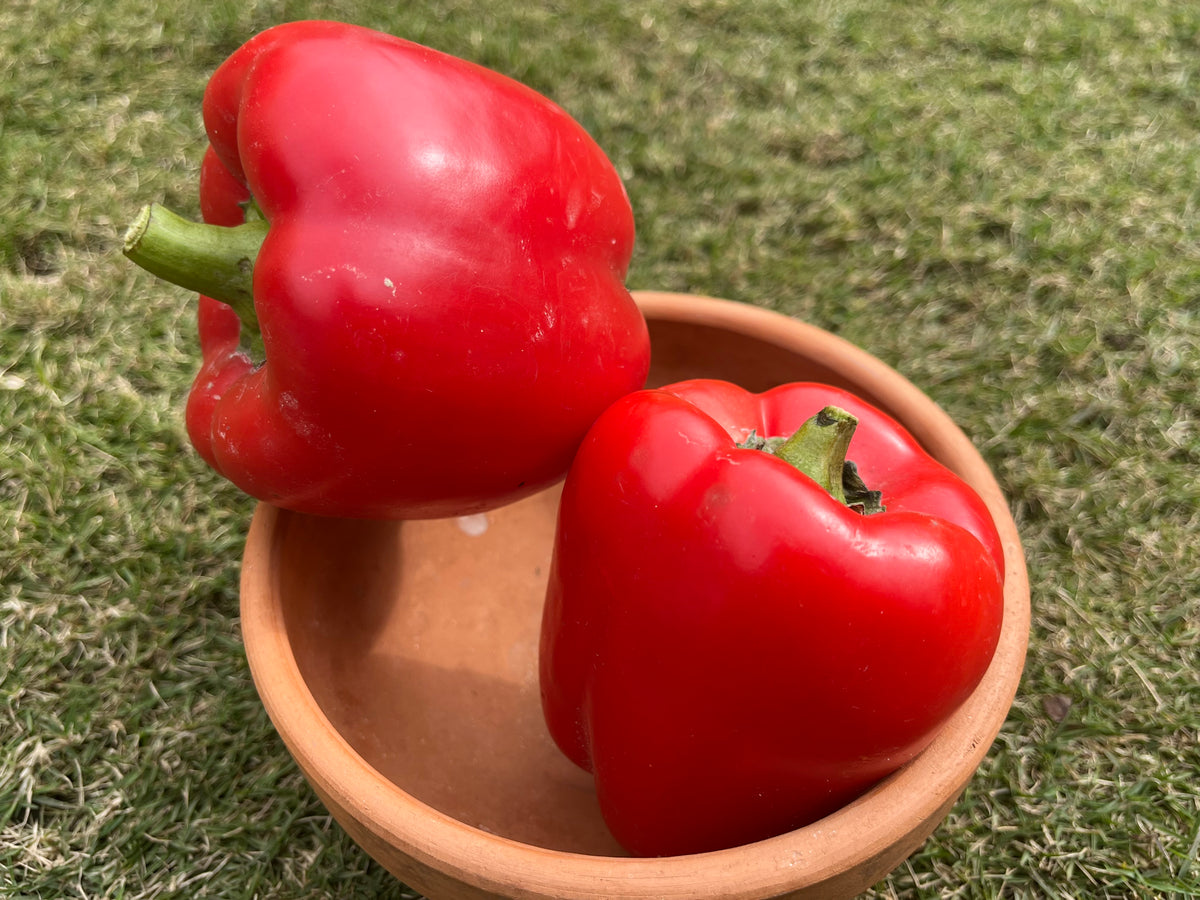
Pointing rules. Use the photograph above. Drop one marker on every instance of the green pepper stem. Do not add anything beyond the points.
(818, 448)
(213, 260)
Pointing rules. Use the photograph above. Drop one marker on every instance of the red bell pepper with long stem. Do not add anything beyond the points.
(412, 272)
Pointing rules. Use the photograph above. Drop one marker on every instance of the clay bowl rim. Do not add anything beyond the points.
(896, 813)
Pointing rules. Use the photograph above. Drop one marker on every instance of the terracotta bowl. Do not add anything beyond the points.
(398, 663)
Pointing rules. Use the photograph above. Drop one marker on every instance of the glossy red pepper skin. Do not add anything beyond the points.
(441, 291)
(732, 652)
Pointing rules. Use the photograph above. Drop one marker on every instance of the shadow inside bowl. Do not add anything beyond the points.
(419, 643)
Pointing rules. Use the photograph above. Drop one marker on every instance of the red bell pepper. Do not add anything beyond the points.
(730, 648)
(413, 277)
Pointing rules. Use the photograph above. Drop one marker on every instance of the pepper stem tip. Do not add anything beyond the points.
(137, 228)
(214, 260)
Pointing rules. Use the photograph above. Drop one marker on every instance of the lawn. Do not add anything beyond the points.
(999, 200)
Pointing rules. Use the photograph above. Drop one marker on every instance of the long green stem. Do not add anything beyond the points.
(213, 260)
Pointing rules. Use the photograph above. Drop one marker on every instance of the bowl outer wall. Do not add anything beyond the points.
(836, 857)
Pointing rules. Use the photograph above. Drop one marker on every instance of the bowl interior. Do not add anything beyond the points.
(419, 643)
(419, 640)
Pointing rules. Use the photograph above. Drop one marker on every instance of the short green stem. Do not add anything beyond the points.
(818, 449)
(213, 260)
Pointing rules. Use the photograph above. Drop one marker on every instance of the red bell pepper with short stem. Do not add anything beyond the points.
(412, 272)
(732, 650)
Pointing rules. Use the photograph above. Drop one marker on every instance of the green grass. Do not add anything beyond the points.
(997, 199)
